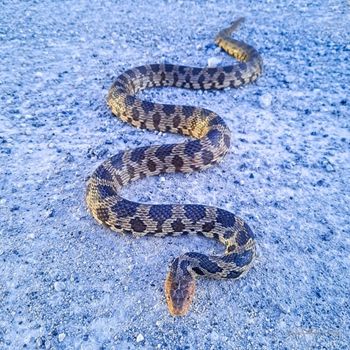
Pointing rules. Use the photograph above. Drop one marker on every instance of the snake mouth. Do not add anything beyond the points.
(179, 292)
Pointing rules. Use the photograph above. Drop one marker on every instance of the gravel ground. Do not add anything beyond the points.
(66, 282)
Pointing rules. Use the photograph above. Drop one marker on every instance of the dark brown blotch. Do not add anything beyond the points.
(207, 157)
(201, 79)
(125, 208)
(221, 78)
(151, 165)
(208, 226)
(214, 136)
(135, 114)
(182, 70)
(242, 66)
(119, 180)
(242, 237)
(175, 78)
(130, 100)
(176, 121)
(103, 174)
(155, 68)
(196, 71)
(142, 70)
(156, 119)
(131, 171)
(238, 75)
(168, 68)
(227, 140)
(178, 162)
(169, 109)
(147, 106)
(105, 191)
(102, 214)
(228, 69)
(188, 111)
(212, 71)
(131, 73)
(164, 151)
(178, 225)
(138, 225)
(117, 160)
(138, 154)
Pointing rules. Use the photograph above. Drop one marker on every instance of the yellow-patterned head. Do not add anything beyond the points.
(179, 288)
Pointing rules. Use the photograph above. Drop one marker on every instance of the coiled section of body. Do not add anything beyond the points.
(209, 142)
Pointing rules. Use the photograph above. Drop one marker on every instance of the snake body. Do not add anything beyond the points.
(210, 141)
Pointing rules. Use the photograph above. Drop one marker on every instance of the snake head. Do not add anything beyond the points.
(179, 288)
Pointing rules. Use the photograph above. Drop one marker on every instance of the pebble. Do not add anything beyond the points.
(6, 150)
(14, 208)
(140, 338)
(31, 236)
(265, 100)
(214, 336)
(213, 62)
(69, 158)
(326, 164)
(59, 286)
(61, 337)
(39, 342)
(49, 213)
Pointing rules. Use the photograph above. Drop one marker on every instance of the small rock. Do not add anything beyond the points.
(214, 336)
(327, 165)
(61, 337)
(14, 208)
(6, 150)
(39, 342)
(265, 100)
(101, 154)
(140, 338)
(49, 213)
(47, 344)
(59, 286)
(213, 62)
(69, 158)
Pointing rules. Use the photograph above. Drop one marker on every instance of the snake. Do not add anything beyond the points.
(208, 143)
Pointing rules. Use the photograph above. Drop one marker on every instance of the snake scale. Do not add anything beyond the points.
(209, 142)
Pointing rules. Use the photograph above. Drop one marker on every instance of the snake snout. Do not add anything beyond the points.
(179, 290)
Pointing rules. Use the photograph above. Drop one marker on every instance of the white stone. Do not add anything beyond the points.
(213, 62)
(61, 337)
(140, 338)
(59, 286)
(265, 100)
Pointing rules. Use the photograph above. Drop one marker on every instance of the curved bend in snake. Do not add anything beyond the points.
(209, 142)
